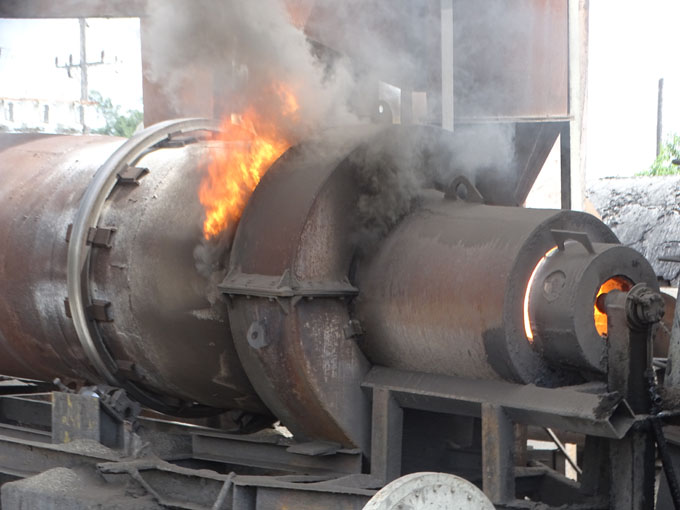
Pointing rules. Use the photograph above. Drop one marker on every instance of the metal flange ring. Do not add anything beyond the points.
(87, 216)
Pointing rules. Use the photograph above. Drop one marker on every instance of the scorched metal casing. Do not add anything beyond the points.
(333, 233)
(166, 331)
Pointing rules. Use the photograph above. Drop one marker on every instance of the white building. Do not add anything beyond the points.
(46, 115)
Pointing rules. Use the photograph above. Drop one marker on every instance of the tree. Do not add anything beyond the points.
(670, 152)
(117, 124)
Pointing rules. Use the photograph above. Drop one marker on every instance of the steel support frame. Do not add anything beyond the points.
(501, 406)
(336, 476)
(631, 459)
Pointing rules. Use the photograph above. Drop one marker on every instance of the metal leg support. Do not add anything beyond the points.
(632, 458)
(386, 436)
(498, 464)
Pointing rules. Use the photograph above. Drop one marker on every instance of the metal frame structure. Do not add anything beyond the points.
(97, 438)
(543, 126)
(191, 467)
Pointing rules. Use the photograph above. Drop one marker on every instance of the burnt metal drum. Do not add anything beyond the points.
(137, 311)
(347, 256)
(444, 293)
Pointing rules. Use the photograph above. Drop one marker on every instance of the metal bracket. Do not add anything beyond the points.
(353, 329)
(461, 188)
(170, 143)
(284, 286)
(100, 236)
(131, 175)
(315, 448)
(97, 311)
(561, 236)
(96, 236)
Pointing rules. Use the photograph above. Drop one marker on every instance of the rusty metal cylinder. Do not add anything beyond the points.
(444, 293)
(100, 271)
(567, 324)
(338, 265)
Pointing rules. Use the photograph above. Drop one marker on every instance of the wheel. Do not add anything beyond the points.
(429, 491)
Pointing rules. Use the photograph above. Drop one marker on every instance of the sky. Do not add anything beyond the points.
(28, 49)
(632, 44)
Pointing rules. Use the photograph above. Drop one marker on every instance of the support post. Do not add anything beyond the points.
(83, 72)
(386, 436)
(659, 119)
(498, 459)
(565, 166)
(74, 417)
(632, 472)
(627, 355)
(447, 63)
(631, 459)
(672, 379)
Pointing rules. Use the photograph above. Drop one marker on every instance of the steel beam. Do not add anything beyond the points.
(270, 452)
(599, 414)
(498, 438)
(25, 458)
(201, 489)
(386, 436)
(631, 459)
(72, 9)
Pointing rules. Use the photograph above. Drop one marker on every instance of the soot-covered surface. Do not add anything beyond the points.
(644, 212)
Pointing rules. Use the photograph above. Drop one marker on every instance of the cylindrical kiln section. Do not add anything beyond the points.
(318, 294)
(144, 314)
(445, 291)
(567, 324)
(346, 256)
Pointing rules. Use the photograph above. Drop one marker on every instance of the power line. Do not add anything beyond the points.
(83, 65)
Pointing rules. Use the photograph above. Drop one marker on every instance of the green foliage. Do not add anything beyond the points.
(117, 124)
(663, 165)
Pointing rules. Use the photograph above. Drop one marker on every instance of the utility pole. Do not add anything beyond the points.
(83, 65)
(659, 119)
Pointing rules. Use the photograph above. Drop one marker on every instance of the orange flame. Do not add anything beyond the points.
(252, 144)
(527, 319)
(615, 283)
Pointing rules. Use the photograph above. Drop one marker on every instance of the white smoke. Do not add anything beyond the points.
(246, 47)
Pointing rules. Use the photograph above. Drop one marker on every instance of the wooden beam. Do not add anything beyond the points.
(73, 9)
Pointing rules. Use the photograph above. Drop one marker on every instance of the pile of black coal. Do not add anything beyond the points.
(644, 212)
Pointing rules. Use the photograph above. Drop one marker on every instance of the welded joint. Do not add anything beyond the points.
(287, 285)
